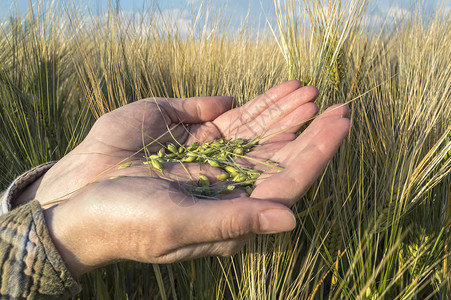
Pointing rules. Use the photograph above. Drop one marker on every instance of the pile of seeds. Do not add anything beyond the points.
(220, 154)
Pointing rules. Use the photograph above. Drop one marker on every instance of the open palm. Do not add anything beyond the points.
(151, 219)
(275, 117)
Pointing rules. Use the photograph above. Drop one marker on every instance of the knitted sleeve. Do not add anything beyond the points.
(7, 197)
(31, 267)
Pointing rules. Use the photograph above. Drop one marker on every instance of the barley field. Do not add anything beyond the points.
(376, 223)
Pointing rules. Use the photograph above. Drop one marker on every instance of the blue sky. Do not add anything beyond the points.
(182, 11)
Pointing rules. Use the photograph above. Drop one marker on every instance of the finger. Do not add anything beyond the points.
(197, 109)
(223, 248)
(258, 158)
(189, 252)
(231, 125)
(202, 133)
(290, 123)
(283, 107)
(230, 219)
(304, 165)
(149, 121)
(333, 112)
(261, 103)
(310, 135)
(298, 98)
(278, 115)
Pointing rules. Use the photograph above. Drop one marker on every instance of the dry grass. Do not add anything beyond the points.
(375, 225)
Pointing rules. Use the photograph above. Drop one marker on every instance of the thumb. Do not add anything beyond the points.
(231, 219)
(196, 109)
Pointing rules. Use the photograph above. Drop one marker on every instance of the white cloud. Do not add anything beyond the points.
(373, 21)
(142, 23)
(385, 17)
(174, 19)
(396, 12)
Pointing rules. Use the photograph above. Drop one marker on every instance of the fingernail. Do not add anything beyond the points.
(276, 220)
(346, 111)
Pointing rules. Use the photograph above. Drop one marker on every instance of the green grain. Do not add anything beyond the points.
(125, 166)
(219, 154)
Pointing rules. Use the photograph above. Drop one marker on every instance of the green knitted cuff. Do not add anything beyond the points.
(31, 266)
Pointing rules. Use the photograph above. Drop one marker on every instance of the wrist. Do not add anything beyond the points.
(24, 188)
(28, 193)
(75, 238)
(58, 234)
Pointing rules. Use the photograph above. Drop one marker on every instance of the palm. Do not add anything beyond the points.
(165, 223)
(275, 116)
(303, 158)
(120, 136)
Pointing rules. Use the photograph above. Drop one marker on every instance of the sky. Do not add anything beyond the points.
(182, 12)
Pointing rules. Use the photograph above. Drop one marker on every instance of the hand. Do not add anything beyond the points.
(303, 158)
(120, 135)
(154, 220)
(275, 117)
